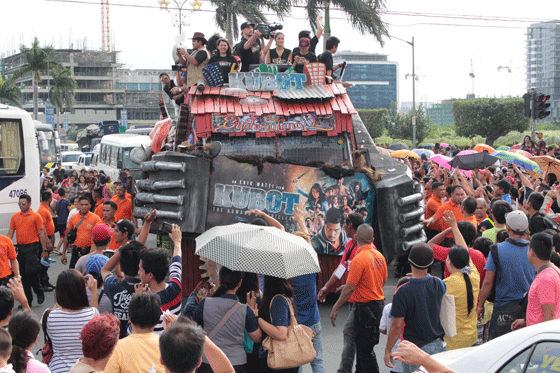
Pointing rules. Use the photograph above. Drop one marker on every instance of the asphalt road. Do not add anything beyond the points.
(332, 336)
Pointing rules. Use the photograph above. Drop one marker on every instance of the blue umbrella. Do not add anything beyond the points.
(428, 145)
(428, 152)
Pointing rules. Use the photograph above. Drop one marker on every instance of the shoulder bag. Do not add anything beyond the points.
(296, 350)
(73, 234)
(47, 349)
(224, 319)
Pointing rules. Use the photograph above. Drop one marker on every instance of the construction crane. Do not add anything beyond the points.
(472, 78)
(105, 29)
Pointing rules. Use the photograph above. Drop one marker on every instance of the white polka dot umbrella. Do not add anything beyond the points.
(258, 249)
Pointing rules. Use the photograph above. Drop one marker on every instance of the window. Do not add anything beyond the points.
(11, 148)
(544, 357)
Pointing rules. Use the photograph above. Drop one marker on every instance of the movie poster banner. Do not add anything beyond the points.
(236, 188)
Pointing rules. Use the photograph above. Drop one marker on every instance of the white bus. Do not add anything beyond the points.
(19, 163)
(114, 154)
(49, 143)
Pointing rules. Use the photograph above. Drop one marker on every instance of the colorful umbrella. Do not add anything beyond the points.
(429, 145)
(503, 147)
(472, 161)
(441, 160)
(428, 153)
(482, 147)
(516, 146)
(522, 152)
(404, 153)
(548, 164)
(518, 160)
(398, 146)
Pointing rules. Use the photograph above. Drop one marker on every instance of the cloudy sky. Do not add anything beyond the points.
(448, 36)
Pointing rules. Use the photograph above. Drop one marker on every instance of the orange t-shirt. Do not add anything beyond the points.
(368, 271)
(481, 220)
(99, 209)
(83, 236)
(124, 208)
(114, 245)
(472, 220)
(45, 213)
(448, 206)
(26, 226)
(432, 206)
(7, 253)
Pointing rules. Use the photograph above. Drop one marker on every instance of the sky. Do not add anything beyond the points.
(452, 38)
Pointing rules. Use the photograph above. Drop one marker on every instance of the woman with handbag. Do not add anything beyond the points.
(274, 316)
(226, 320)
(464, 285)
(65, 321)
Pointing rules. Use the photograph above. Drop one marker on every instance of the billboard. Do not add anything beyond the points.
(280, 188)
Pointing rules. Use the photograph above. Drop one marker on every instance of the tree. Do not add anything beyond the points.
(400, 125)
(364, 15)
(375, 120)
(489, 117)
(61, 93)
(37, 60)
(228, 11)
(10, 92)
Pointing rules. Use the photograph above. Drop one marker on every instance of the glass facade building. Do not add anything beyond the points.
(374, 79)
(543, 62)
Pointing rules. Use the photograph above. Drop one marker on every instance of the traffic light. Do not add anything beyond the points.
(541, 105)
(527, 105)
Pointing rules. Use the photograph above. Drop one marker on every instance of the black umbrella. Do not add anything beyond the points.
(398, 146)
(472, 161)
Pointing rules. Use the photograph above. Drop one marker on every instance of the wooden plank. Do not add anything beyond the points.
(341, 105)
(341, 89)
(286, 109)
(334, 104)
(258, 110)
(327, 107)
(223, 104)
(238, 109)
(265, 109)
(349, 104)
(278, 107)
(245, 108)
(208, 104)
(230, 108)
(200, 105)
(349, 124)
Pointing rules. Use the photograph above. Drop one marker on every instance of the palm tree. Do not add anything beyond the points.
(10, 92)
(228, 11)
(37, 60)
(61, 93)
(365, 15)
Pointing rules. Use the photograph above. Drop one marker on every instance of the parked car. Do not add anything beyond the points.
(69, 160)
(84, 162)
(532, 349)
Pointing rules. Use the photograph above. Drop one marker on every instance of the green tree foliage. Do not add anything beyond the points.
(9, 92)
(489, 117)
(61, 93)
(364, 15)
(37, 60)
(400, 125)
(375, 120)
(228, 11)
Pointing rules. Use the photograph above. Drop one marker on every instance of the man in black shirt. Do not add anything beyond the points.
(327, 58)
(178, 99)
(249, 47)
(59, 173)
(303, 56)
(313, 40)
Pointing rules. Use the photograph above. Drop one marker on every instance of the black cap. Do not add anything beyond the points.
(126, 226)
(246, 24)
(421, 256)
(504, 184)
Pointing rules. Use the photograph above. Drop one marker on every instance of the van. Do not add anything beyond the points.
(84, 162)
(69, 147)
(114, 154)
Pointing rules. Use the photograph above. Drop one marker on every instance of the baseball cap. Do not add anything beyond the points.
(247, 24)
(95, 263)
(100, 232)
(517, 221)
(421, 256)
(126, 226)
(504, 184)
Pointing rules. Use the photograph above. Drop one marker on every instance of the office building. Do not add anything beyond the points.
(374, 79)
(543, 63)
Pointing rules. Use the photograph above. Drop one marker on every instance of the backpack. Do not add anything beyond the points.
(547, 221)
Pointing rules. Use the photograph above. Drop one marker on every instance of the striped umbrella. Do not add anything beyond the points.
(518, 160)
(522, 152)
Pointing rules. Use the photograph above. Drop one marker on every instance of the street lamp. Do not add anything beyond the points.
(413, 91)
(165, 3)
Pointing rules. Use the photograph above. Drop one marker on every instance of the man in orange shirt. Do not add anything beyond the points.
(433, 204)
(480, 212)
(48, 223)
(30, 237)
(8, 260)
(364, 287)
(98, 200)
(83, 221)
(468, 207)
(454, 205)
(124, 203)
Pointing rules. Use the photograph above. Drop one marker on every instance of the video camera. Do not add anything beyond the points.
(265, 30)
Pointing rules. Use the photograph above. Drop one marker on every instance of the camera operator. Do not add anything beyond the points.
(169, 84)
(195, 61)
(249, 48)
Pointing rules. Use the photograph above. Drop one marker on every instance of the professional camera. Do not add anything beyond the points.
(177, 67)
(265, 30)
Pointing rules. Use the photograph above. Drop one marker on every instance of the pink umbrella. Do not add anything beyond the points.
(443, 145)
(522, 152)
(516, 146)
(463, 152)
(443, 161)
